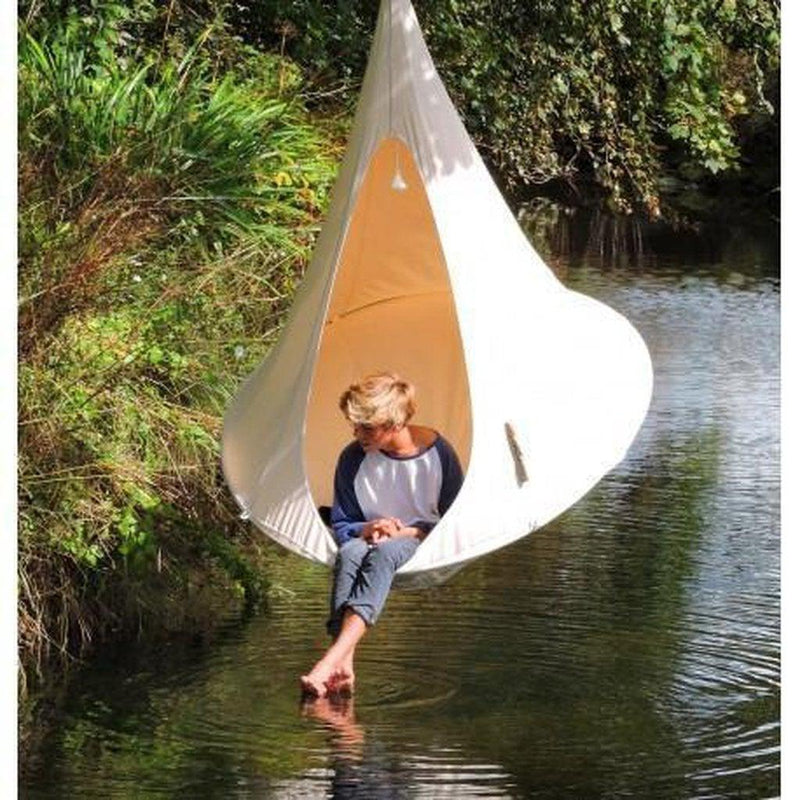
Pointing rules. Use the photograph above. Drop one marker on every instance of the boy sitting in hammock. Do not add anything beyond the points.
(392, 485)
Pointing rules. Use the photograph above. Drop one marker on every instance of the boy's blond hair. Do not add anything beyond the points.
(379, 399)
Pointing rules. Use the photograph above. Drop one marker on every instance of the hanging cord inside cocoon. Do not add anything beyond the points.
(398, 181)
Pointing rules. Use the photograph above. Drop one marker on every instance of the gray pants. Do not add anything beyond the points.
(363, 575)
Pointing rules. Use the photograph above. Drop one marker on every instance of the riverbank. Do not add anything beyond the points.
(167, 212)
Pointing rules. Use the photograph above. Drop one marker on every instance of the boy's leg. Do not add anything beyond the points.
(362, 608)
(345, 575)
(378, 569)
(330, 666)
(368, 598)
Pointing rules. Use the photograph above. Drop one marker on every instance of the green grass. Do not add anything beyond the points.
(167, 210)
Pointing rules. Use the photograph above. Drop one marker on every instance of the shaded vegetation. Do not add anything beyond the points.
(614, 100)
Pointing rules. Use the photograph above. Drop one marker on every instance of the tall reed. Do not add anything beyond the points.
(167, 209)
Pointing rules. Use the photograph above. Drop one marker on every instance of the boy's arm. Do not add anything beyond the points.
(452, 474)
(347, 518)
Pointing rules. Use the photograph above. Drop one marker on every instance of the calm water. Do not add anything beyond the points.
(630, 649)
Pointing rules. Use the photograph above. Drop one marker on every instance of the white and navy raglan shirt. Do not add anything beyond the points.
(416, 489)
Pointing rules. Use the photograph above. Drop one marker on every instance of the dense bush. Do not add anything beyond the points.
(605, 96)
(168, 202)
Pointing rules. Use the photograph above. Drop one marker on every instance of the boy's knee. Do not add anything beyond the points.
(395, 552)
(353, 550)
(355, 544)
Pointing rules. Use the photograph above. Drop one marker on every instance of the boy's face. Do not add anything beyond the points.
(373, 437)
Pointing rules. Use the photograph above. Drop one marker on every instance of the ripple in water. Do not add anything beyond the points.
(629, 649)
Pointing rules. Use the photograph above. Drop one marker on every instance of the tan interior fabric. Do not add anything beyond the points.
(391, 309)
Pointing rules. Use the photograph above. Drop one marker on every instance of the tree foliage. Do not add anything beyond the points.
(611, 94)
(605, 97)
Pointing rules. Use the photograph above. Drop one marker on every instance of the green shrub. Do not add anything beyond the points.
(602, 97)
(167, 208)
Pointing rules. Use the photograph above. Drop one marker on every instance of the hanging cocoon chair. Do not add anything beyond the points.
(421, 269)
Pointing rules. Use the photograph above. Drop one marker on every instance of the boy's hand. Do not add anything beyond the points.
(383, 528)
(410, 531)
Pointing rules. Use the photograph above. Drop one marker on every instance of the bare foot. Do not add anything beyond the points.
(341, 682)
(343, 679)
(315, 683)
(310, 687)
(335, 668)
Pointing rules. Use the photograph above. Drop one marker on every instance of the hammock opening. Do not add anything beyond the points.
(391, 308)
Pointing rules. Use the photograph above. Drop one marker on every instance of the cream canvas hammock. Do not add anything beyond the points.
(422, 269)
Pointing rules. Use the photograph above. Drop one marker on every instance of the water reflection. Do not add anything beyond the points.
(366, 767)
(570, 238)
(630, 648)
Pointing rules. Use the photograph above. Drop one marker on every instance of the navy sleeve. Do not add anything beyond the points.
(452, 476)
(347, 518)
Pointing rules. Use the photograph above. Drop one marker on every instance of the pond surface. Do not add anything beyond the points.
(629, 649)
